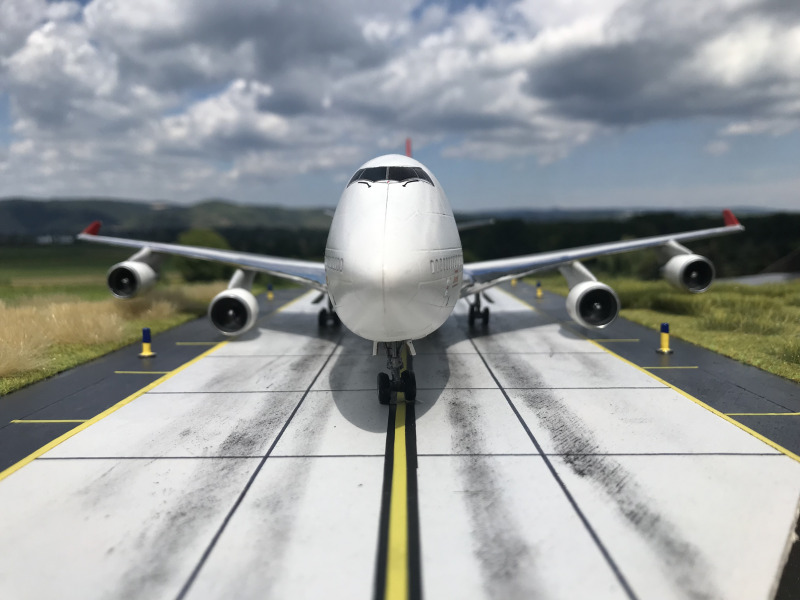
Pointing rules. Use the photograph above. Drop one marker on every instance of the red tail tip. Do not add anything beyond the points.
(408, 147)
(93, 228)
(730, 218)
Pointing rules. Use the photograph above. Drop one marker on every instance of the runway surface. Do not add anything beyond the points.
(534, 464)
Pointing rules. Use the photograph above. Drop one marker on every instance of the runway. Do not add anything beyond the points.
(534, 464)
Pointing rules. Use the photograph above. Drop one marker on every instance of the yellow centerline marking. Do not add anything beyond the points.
(676, 367)
(686, 395)
(86, 424)
(49, 420)
(397, 552)
(141, 372)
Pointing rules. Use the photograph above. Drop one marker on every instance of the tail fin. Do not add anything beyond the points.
(408, 147)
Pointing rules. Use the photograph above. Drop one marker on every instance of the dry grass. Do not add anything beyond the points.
(44, 334)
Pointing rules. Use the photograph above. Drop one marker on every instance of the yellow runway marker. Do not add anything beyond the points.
(650, 368)
(686, 395)
(397, 555)
(49, 420)
(141, 372)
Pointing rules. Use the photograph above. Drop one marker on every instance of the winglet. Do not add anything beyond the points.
(93, 228)
(730, 218)
(408, 147)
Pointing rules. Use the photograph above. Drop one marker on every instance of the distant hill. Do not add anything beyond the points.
(26, 217)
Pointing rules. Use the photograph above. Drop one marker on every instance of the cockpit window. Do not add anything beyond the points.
(397, 174)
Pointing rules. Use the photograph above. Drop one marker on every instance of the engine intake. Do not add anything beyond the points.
(130, 278)
(233, 311)
(690, 272)
(592, 304)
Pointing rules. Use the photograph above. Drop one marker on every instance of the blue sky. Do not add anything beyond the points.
(519, 103)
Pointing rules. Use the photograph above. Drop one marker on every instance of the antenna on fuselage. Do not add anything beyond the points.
(408, 147)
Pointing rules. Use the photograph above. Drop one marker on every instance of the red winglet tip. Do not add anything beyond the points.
(408, 147)
(93, 228)
(730, 218)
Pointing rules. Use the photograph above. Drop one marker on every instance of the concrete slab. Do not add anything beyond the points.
(628, 421)
(690, 526)
(306, 529)
(471, 422)
(500, 527)
(111, 528)
(186, 425)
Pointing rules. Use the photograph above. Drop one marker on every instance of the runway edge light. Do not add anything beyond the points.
(270, 293)
(539, 293)
(147, 350)
(664, 349)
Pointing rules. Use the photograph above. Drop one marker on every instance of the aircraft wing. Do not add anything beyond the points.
(484, 274)
(302, 271)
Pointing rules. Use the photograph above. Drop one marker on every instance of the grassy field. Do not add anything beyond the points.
(756, 325)
(56, 311)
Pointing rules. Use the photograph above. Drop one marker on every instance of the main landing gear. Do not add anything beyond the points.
(327, 316)
(399, 379)
(476, 313)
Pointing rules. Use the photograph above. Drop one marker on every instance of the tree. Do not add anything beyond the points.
(202, 270)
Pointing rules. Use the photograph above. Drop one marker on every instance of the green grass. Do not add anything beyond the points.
(756, 325)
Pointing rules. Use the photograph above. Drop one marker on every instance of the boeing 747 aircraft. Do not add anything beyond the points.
(394, 267)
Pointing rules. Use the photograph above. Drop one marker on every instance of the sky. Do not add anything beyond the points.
(512, 104)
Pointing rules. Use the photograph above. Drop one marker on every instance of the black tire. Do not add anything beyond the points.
(322, 320)
(336, 320)
(471, 317)
(485, 316)
(384, 388)
(409, 381)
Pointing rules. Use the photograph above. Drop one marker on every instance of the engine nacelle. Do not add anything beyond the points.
(690, 272)
(592, 304)
(130, 278)
(233, 311)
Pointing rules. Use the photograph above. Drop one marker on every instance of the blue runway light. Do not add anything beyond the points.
(147, 350)
(665, 328)
(146, 335)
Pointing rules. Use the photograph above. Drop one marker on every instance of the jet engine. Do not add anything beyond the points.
(130, 278)
(233, 311)
(690, 272)
(592, 304)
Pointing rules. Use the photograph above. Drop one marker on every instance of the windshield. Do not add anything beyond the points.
(390, 174)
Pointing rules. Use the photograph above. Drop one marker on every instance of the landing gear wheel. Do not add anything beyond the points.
(336, 320)
(408, 381)
(323, 317)
(485, 316)
(384, 388)
(471, 317)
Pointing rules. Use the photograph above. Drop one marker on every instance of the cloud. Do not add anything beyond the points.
(196, 96)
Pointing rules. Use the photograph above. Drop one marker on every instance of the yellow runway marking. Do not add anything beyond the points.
(49, 420)
(47, 447)
(141, 372)
(686, 395)
(650, 368)
(397, 554)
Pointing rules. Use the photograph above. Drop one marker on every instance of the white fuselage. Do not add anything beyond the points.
(393, 260)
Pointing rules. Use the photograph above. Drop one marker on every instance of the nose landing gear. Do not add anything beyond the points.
(475, 312)
(401, 377)
(327, 316)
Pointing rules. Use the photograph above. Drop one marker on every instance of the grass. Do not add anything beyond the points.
(44, 334)
(756, 325)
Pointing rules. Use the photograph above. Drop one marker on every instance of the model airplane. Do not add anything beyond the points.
(394, 268)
